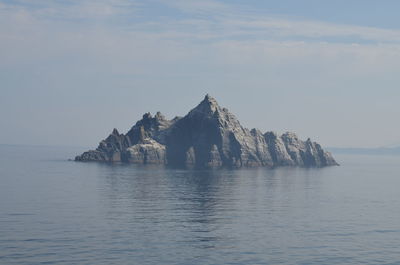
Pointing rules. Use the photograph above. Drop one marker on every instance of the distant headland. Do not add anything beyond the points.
(207, 137)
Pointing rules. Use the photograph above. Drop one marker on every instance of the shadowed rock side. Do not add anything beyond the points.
(207, 137)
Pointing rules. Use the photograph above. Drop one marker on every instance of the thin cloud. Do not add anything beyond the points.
(198, 7)
(216, 22)
(71, 10)
(207, 46)
(313, 29)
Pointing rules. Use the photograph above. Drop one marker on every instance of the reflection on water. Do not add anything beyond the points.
(56, 211)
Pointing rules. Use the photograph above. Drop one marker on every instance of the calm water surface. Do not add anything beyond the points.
(54, 211)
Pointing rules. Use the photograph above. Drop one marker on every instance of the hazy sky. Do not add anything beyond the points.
(73, 70)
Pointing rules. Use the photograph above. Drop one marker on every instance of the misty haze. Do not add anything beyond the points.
(199, 132)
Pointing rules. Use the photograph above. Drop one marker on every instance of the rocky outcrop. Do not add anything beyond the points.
(111, 149)
(277, 148)
(207, 137)
(147, 151)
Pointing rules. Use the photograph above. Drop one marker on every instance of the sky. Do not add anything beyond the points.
(72, 70)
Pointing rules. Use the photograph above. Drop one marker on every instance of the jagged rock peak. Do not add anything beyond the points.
(208, 106)
(159, 116)
(210, 98)
(290, 135)
(147, 116)
(208, 136)
(115, 132)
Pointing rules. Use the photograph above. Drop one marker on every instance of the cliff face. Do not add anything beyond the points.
(207, 137)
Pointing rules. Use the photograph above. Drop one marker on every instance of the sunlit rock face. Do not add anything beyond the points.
(207, 137)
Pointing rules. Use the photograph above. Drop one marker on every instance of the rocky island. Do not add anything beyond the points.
(207, 137)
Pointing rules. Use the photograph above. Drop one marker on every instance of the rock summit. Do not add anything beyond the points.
(209, 136)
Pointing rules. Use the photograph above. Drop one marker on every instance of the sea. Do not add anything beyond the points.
(56, 211)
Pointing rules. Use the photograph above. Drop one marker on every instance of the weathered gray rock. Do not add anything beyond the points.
(295, 147)
(190, 157)
(207, 137)
(216, 138)
(147, 151)
(262, 149)
(109, 150)
(278, 150)
(92, 155)
(309, 154)
(155, 127)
